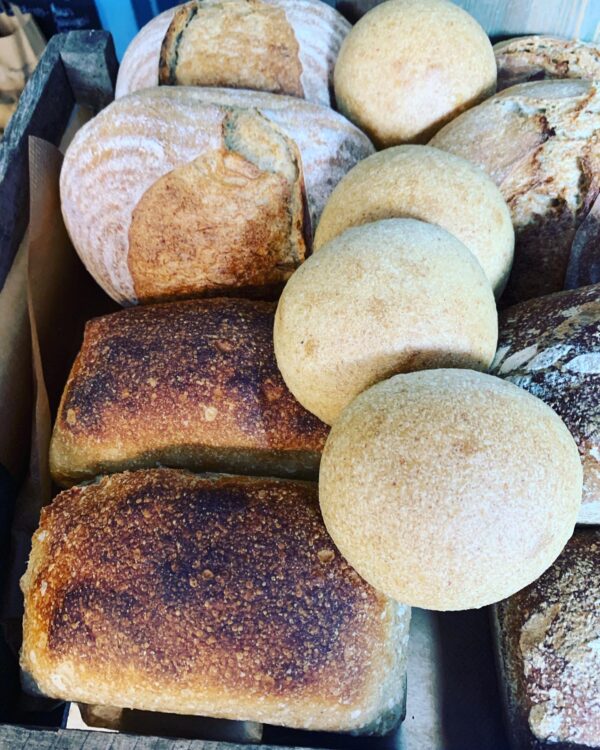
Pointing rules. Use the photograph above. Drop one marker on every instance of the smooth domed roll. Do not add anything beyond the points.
(410, 66)
(449, 489)
(387, 297)
(421, 182)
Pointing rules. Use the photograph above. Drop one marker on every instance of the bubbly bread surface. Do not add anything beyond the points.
(420, 182)
(214, 595)
(449, 489)
(390, 296)
(409, 66)
(551, 347)
(539, 142)
(185, 191)
(531, 58)
(189, 384)
(284, 47)
(547, 641)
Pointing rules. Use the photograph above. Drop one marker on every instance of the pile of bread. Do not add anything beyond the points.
(299, 307)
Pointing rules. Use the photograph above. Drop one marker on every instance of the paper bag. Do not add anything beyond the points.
(21, 46)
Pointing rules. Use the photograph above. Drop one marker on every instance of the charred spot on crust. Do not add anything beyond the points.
(174, 574)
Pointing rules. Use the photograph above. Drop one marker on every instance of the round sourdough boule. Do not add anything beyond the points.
(410, 66)
(449, 489)
(392, 296)
(421, 182)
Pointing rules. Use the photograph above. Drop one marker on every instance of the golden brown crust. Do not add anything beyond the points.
(191, 384)
(551, 347)
(217, 595)
(548, 637)
(232, 218)
(197, 49)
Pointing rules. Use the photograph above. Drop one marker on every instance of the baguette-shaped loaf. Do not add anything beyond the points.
(282, 46)
(190, 384)
(531, 58)
(547, 641)
(551, 347)
(540, 143)
(212, 595)
(181, 191)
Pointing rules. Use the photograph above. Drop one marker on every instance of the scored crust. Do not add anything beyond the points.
(547, 639)
(191, 384)
(551, 347)
(532, 58)
(197, 49)
(214, 595)
(539, 142)
(233, 218)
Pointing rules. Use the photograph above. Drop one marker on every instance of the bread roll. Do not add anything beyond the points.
(393, 296)
(425, 183)
(181, 191)
(531, 58)
(191, 384)
(282, 46)
(548, 637)
(551, 347)
(539, 142)
(449, 489)
(410, 66)
(214, 595)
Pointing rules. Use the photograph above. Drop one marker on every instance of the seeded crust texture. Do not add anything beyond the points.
(547, 644)
(540, 143)
(420, 182)
(213, 595)
(449, 489)
(183, 191)
(282, 46)
(189, 384)
(533, 58)
(551, 347)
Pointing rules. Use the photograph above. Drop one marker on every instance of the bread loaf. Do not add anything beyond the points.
(191, 384)
(420, 182)
(181, 191)
(213, 595)
(409, 66)
(539, 142)
(547, 637)
(281, 46)
(551, 347)
(531, 58)
(391, 296)
(449, 489)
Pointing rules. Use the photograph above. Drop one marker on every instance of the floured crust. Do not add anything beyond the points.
(551, 347)
(243, 44)
(232, 218)
(284, 46)
(548, 636)
(114, 159)
(540, 143)
(191, 384)
(212, 595)
(532, 58)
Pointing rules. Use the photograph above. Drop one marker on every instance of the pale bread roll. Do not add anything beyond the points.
(392, 296)
(421, 182)
(410, 66)
(283, 46)
(449, 489)
(209, 595)
(182, 191)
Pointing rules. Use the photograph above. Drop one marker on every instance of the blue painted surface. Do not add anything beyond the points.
(118, 17)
